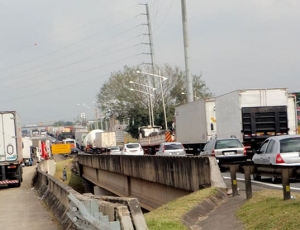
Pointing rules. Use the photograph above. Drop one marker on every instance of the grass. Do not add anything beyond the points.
(73, 180)
(169, 215)
(267, 210)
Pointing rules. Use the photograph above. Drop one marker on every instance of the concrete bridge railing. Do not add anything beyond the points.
(55, 195)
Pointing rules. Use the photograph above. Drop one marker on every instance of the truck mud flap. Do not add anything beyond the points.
(10, 182)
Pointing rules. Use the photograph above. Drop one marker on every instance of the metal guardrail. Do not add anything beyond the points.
(284, 172)
(85, 215)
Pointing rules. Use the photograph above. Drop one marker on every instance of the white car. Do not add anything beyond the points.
(132, 149)
(279, 150)
(115, 150)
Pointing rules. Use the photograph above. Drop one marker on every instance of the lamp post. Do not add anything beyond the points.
(150, 100)
(161, 79)
(96, 114)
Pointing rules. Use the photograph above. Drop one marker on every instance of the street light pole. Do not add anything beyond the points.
(162, 78)
(150, 100)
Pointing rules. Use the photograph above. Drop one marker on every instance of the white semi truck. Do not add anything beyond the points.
(252, 115)
(11, 156)
(79, 137)
(99, 141)
(195, 124)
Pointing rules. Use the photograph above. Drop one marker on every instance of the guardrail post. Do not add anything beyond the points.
(286, 184)
(233, 180)
(247, 174)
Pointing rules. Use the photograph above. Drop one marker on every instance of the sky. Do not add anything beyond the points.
(56, 55)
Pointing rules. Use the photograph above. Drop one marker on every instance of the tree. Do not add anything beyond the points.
(63, 123)
(125, 96)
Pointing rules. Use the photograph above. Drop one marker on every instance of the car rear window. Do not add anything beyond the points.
(173, 146)
(131, 146)
(290, 145)
(228, 143)
(115, 148)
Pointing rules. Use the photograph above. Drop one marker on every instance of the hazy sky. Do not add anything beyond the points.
(55, 54)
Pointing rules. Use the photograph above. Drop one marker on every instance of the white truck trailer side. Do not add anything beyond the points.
(252, 115)
(103, 141)
(11, 155)
(195, 123)
(79, 137)
(27, 151)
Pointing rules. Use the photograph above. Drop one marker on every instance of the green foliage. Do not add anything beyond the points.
(169, 216)
(63, 123)
(267, 210)
(127, 101)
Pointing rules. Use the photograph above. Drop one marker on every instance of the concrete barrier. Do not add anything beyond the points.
(55, 195)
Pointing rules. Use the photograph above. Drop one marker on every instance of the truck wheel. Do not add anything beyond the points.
(256, 177)
(275, 180)
(18, 184)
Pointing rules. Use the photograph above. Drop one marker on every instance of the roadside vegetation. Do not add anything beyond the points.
(267, 210)
(169, 216)
(73, 180)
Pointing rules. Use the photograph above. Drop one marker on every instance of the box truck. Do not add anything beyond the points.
(252, 115)
(103, 142)
(195, 124)
(11, 155)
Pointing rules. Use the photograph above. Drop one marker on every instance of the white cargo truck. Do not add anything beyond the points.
(27, 151)
(79, 137)
(89, 141)
(252, 115)
(103, 141)
(195, 124)
(11, 155)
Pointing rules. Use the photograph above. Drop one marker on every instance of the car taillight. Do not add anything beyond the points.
(279, 159)
(163, 149)
(245, 152)
(213, 153)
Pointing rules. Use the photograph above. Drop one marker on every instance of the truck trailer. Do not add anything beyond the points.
(195, 124)
(11, 156)
(104, 141)
(79, 137)
(252, 115)
(150, 137)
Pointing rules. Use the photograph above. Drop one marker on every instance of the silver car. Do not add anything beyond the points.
(115, 150)
(225, 149)
(132, 149)
(171, 149)
(279, 150)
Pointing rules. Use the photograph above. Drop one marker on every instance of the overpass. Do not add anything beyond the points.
(153, 180)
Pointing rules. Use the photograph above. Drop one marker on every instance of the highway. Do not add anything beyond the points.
(266, 182)
(22, 208)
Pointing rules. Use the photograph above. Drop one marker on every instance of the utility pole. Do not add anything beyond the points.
(150, 38)
(189, 82)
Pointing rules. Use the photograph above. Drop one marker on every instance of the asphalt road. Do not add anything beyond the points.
(267, 182)
(22, 208)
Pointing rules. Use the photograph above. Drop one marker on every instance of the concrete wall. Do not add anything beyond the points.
(55, 195)
(153, 180)
(187, 173)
